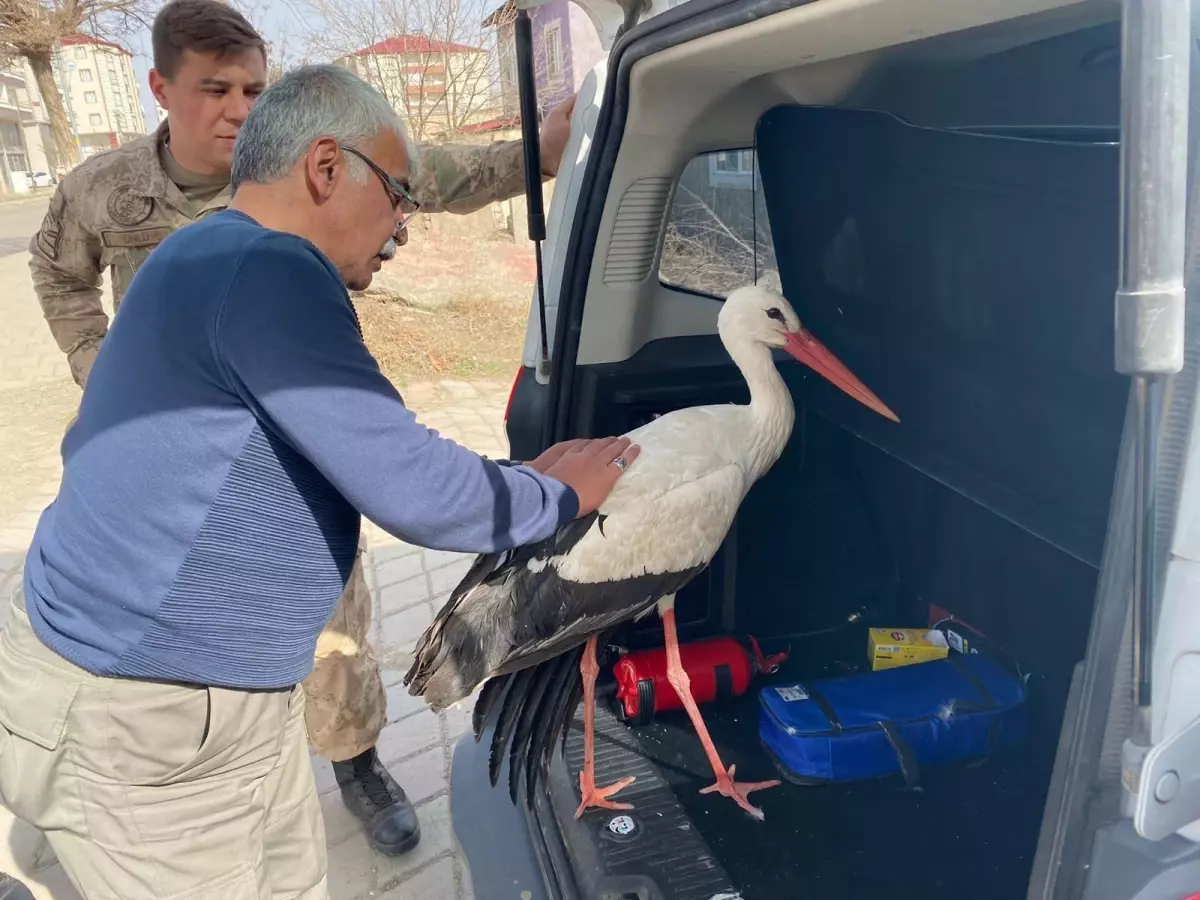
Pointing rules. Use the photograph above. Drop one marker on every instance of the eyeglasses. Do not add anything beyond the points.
(402, 201)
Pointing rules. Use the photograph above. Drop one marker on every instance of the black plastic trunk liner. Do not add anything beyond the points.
(968, 832)
(663, 856)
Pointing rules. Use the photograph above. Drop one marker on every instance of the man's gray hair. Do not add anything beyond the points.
(309, 103)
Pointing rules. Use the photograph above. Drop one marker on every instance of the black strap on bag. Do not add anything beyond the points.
(989, 701)
(904, 753)
(824, 705)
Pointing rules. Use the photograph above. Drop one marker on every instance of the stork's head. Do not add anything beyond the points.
(759, 315)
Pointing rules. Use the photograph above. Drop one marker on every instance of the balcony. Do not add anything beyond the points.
(14, 101)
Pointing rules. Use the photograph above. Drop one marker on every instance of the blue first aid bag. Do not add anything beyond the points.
(873, 724)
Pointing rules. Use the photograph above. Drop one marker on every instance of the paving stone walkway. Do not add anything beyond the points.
(37, 400)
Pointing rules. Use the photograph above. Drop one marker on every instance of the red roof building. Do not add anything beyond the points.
(414, 45)
(75, 39)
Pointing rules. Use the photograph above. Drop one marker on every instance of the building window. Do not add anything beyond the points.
(89, 96)
(552, 41)
(95, 119)
(85, 74)
(81, 52)
(732, 169)
(508, 56)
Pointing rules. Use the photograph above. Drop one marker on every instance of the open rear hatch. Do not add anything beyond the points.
(967, 275)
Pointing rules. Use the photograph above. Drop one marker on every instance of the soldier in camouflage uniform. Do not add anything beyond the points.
(116, 207)
(111, 211)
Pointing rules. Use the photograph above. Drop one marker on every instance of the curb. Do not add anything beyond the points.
(25, 200)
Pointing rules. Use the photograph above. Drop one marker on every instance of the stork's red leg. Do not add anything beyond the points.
(677, 675)
(590, 794)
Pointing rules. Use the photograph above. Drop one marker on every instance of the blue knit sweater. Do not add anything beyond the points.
(233, 428)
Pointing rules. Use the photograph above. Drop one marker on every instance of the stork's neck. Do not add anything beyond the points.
(772, 413)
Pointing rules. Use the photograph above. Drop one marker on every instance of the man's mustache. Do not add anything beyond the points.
(388, 251)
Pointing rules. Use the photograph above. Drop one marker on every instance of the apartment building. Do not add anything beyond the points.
(24, 129)
(14, 111)
(100, 92)
(439, 86)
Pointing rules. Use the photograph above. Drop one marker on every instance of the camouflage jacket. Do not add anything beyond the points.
(112, 210)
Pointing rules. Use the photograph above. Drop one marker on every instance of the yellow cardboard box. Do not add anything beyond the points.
(888, 648)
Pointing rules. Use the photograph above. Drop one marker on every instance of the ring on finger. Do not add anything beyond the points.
(620, 463)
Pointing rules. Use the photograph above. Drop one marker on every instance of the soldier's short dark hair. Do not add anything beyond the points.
(202, 26)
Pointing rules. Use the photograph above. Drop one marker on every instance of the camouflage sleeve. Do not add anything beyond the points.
(65, 263)
(462, 178)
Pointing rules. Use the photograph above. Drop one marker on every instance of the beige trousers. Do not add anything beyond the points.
(154, 791)
(345, 703)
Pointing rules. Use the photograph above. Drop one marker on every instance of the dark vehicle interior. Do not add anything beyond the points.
(950, 232)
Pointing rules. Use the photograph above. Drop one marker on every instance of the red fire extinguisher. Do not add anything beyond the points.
(718, 669)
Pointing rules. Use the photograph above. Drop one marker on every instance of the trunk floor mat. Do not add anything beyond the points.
(967, 831)
(617, 855)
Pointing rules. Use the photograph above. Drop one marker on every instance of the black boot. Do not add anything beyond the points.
(371, 793)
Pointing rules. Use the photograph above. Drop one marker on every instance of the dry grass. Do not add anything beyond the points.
(449, 307)
(470, 337)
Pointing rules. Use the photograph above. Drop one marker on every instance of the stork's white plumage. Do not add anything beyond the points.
(528, 621)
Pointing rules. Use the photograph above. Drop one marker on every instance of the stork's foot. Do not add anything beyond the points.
(598, 797)
(739, 791)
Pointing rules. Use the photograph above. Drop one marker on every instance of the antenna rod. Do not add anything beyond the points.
(527, 91)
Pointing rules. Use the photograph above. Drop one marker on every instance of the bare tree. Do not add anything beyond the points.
(435, 62)
(33, 29)
(712, 252)
(287, 50)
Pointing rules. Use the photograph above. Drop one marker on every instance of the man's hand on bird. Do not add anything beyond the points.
(553, 454)
(556, 130)
(592, 468)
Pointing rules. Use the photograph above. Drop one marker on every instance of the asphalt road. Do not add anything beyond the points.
(19, 219)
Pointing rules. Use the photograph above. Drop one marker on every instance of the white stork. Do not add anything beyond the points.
(531, 618)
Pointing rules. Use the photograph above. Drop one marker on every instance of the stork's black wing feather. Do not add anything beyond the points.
(517, 626)
(545, 703)
(485, 705)
(531, 710)
(493, 575)
(561, 715)
(514, 701)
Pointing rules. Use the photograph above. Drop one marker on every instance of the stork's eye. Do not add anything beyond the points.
(775, 313)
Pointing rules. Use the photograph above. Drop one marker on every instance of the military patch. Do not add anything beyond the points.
(137, 237)
(129, 208)
(49, 236)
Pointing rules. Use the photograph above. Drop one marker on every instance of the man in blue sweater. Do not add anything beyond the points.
(233, 429)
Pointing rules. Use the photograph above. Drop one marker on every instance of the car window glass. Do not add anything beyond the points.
(717, 234)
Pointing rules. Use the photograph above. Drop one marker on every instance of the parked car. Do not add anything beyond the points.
(937, 188)
(42, 179)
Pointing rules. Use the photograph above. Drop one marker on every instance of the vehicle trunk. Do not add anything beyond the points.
(967, 277)
(839, 525)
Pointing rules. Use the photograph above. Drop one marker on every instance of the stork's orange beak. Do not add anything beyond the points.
(806, 348)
